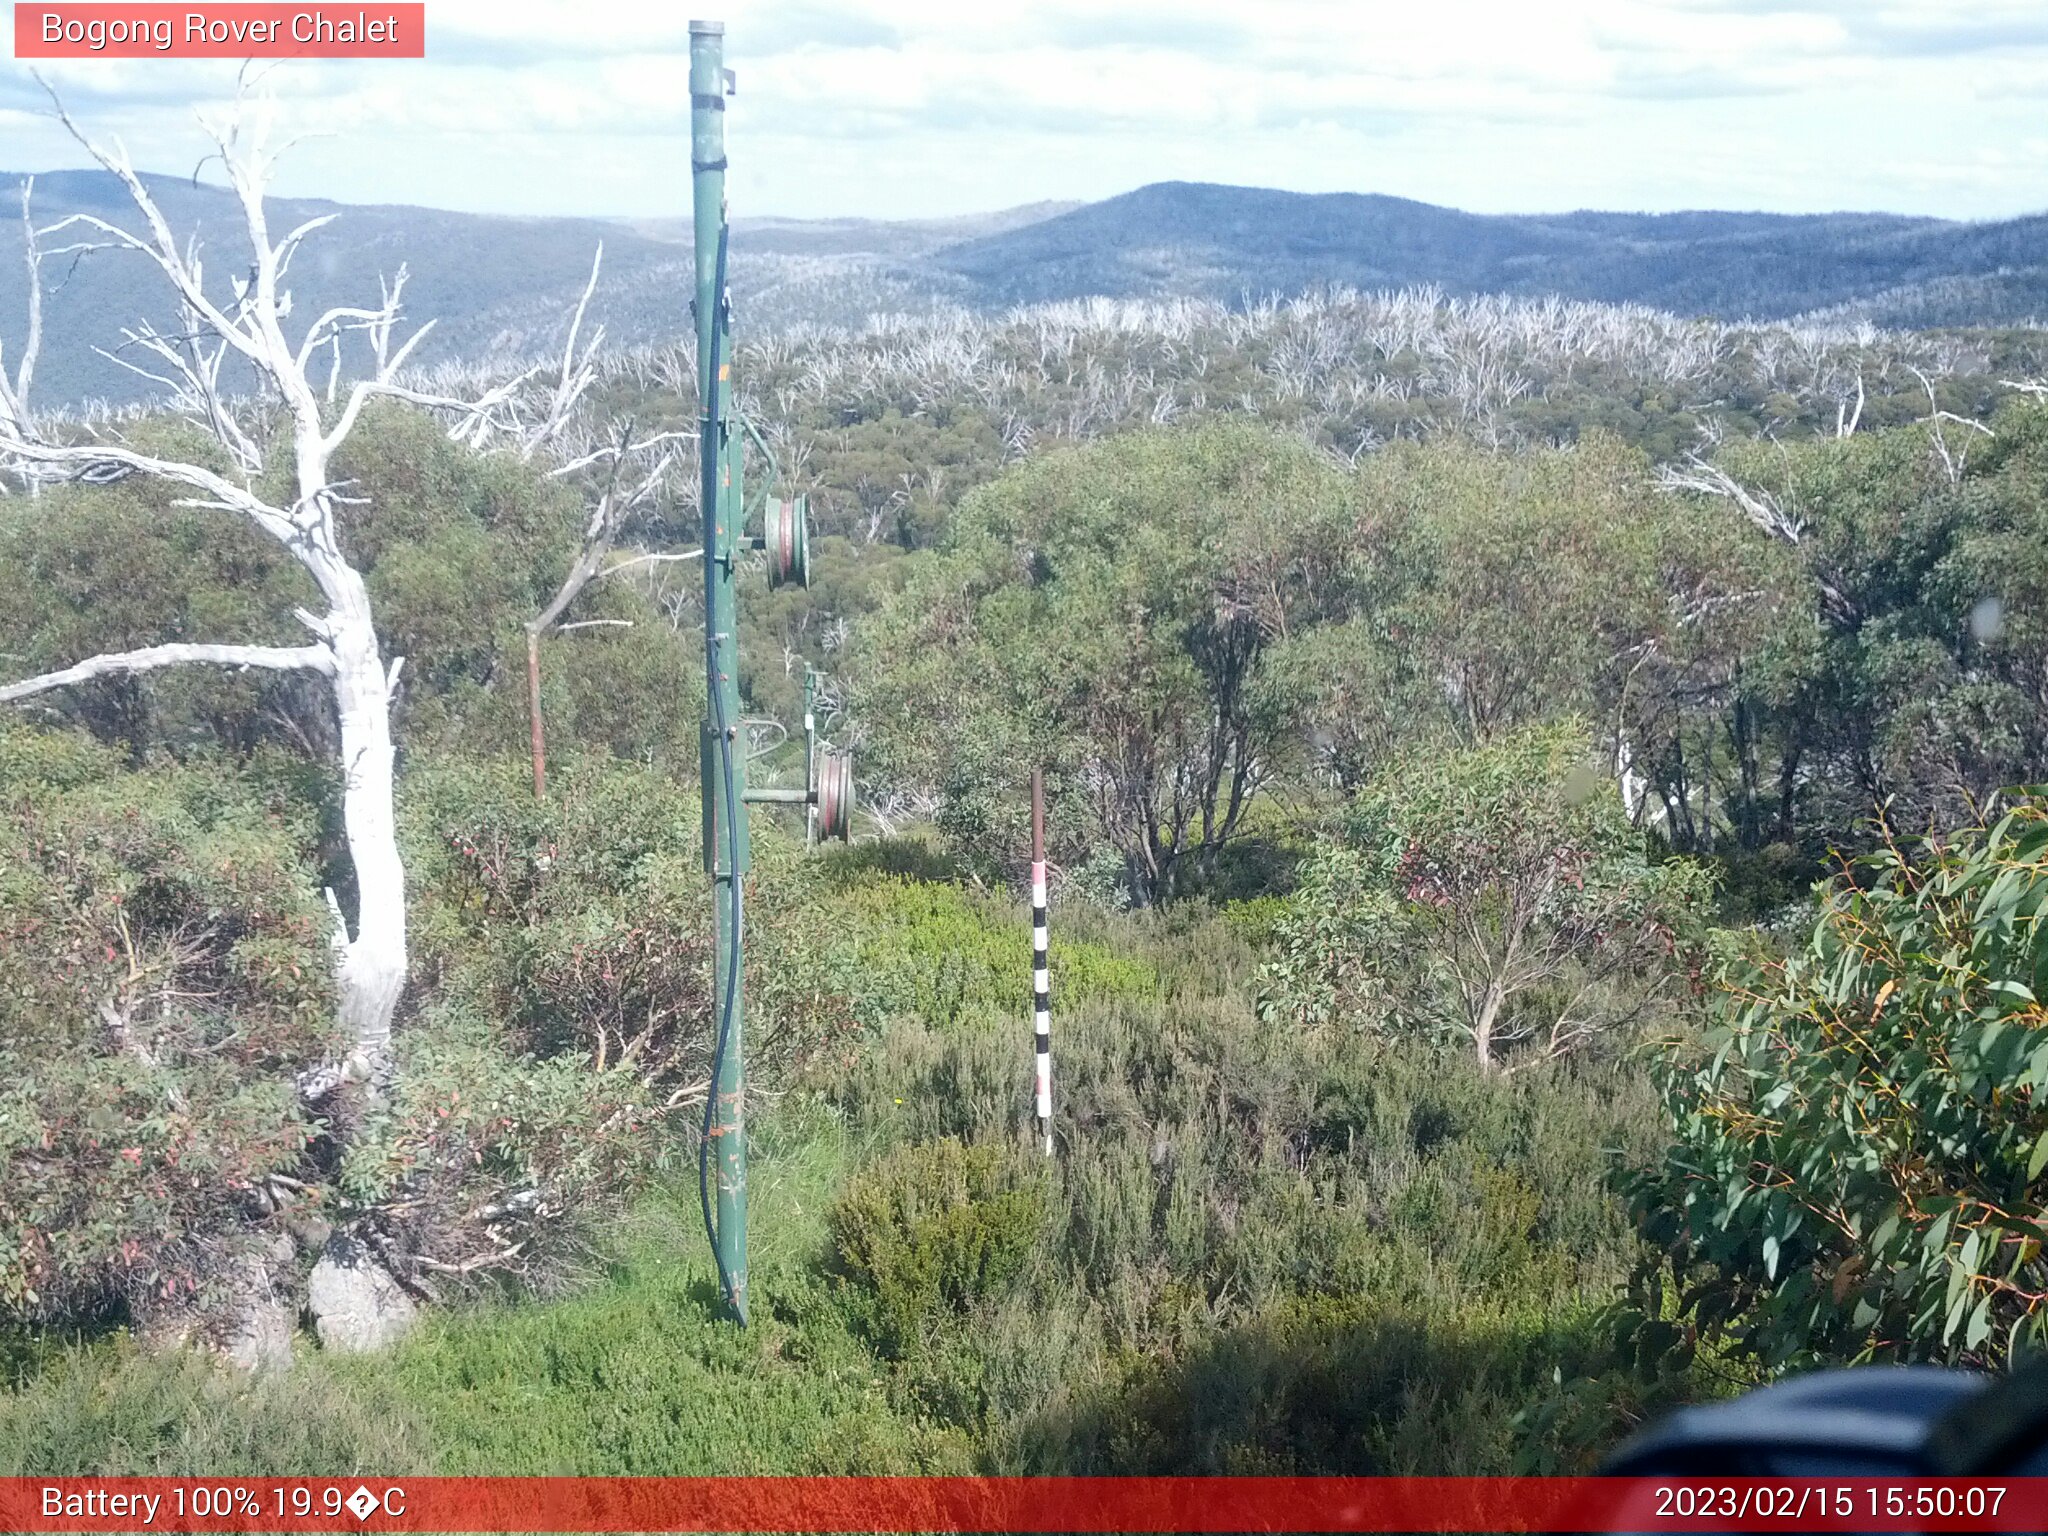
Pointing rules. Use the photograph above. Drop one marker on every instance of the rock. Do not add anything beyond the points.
(354, 1302)
(260, 1336)
(258, 1331)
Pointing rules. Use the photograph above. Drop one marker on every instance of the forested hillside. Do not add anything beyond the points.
(500, 288)
(1228, 242)
(1545, 921)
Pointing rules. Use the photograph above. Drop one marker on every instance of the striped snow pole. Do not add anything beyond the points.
(1041, 974)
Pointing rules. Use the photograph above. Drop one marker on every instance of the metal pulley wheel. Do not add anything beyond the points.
(835, 794)
(786, 535)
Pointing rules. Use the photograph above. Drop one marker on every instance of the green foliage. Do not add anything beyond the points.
(568, 1042)
(1322, 1248)
(458, 549)
(637, 1375)
(933, 951)
(1216, 1176)
(163, 968)
(1491, 592)
(581, 925)
(1916, 683)
(1497, 892)
(165, 973)
(933, 1230)
(86, 569)
(1241, 1220)
(1859, 1140)
(1105, 610)
(121, 1411)
(1321, 1384)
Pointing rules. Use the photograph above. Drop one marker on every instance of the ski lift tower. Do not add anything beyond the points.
(785, 539)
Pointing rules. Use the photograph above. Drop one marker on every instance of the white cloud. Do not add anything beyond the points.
(908, 107)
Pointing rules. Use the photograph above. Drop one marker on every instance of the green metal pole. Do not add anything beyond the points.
(725, 850)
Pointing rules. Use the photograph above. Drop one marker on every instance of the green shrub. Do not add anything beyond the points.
(163, 971)
(116, 1410)
(582, 925)
(1311, 1385)
(1858, 1143)
(944, 955)
(566, 1047)
(930, 1231)
(1498, 894)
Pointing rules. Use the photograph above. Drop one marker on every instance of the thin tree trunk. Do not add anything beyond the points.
(1482, 1027)
(1788, 792)
(539, 733)
(1743, 730)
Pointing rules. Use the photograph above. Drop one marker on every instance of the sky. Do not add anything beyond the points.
(926, 108)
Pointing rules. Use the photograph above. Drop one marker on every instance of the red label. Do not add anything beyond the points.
(1020, 1504)
(212, 31)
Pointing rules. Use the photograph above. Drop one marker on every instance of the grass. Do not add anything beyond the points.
(635, 1375)
(1256, 1251)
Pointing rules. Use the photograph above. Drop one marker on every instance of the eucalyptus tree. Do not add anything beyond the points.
(1110, 610)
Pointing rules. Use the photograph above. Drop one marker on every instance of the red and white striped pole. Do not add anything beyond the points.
(1041, 975)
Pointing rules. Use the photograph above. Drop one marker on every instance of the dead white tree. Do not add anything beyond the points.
(578, 371)
(1763, 508)
(1953, 461)
(1760, 506)
(246, 325)
(14, 410)
(1847, 420)
(632, 476)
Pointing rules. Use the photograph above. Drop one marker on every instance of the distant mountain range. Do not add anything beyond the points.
(1228, 242)
(501, 287)
(490, 284)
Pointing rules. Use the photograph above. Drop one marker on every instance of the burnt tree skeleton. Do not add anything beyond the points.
(248, 329)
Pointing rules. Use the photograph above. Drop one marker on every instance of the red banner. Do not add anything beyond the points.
(212, 30)
(1020, 1504)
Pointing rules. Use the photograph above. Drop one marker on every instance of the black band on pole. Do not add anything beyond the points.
(708, 165)
(707, 101)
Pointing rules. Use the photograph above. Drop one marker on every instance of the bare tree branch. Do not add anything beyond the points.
(577, 374)
(1952, 463)
(650, 559)
(1761, 507)
(274, 658)
(102, 463)
(1709, 479)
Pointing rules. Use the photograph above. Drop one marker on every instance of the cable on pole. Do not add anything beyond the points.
(721, 729)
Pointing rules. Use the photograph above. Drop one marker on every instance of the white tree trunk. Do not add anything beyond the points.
(373, 961)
